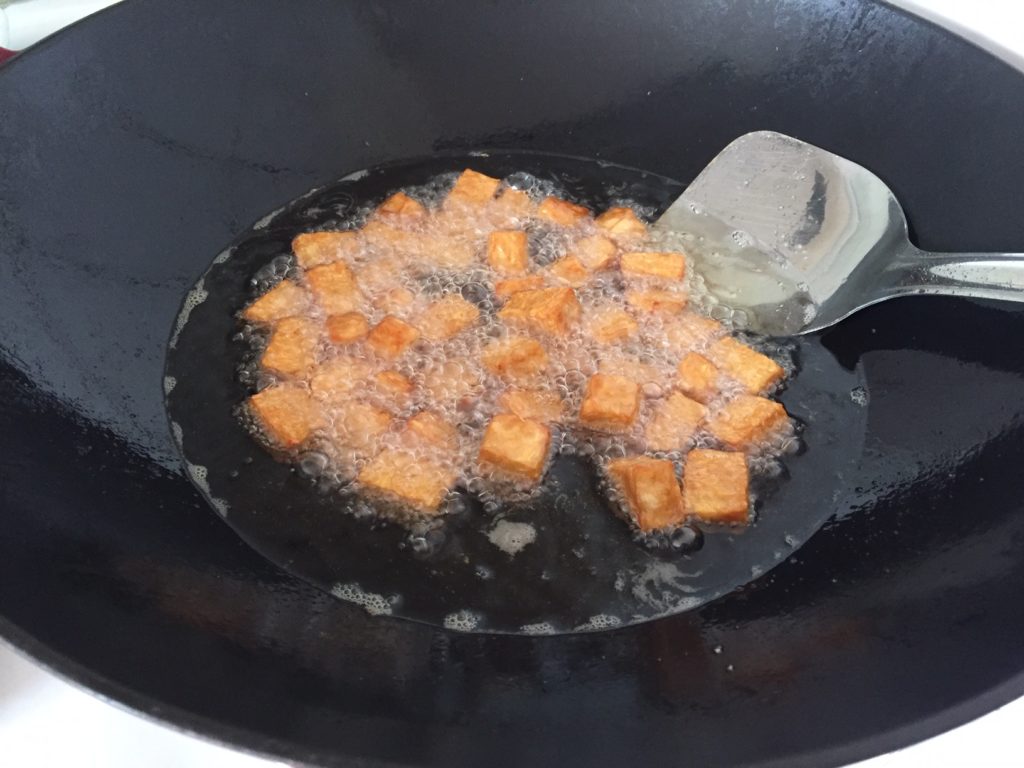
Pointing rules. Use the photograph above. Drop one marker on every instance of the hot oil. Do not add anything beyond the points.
(499, 554)
(406, 263)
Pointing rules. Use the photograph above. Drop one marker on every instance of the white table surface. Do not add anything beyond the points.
(96, 734)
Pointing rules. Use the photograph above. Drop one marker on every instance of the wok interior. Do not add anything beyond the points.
(130, 158)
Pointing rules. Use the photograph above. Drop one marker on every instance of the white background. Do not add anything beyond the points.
(46, 722)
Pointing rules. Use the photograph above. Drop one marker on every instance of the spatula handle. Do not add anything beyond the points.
(978, 275)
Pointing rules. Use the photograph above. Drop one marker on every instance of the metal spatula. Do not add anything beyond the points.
(799, 238)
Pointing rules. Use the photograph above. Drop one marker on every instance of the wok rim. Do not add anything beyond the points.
(253, 743)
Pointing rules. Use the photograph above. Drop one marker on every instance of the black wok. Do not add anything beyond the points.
(140, 143)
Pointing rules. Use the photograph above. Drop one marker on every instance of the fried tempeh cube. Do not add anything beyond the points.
(746, 420)
(514, 202)
(669, 266)
(607, 325)
(650, 491)
(698, 377)
(347, 327)
(358, 427)
(657, 301)
(312, 249)
(292, 347)
(427, 428)
(395, 386)
(334, 380)
(505, 288)
(675, 420)
(562, 212)
(283, 300)
(507, 251)
(595, 252)
(394, 301)
(689, 331)
(382, 236)
(515, 357)
(447, 317)
(536, 405)
(334, 287)
(517, 446)
(611, 403)
(571, 270)
(381, 273)
(441, 252)
(631, 368)
(473, 188)
(551, 310)
(754, 371)
(715, 486)
(408, 479)
(621, 222)
(391, 337)
(400, 204)
(287, 413)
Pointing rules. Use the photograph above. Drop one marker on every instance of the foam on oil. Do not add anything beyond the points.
(449, 378)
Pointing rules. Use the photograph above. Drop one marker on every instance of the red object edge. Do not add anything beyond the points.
(6, 54)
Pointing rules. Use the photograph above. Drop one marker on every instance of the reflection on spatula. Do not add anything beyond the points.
(799, 238)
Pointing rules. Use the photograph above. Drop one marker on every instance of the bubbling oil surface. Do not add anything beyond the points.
(449, 377)
(557, 556)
